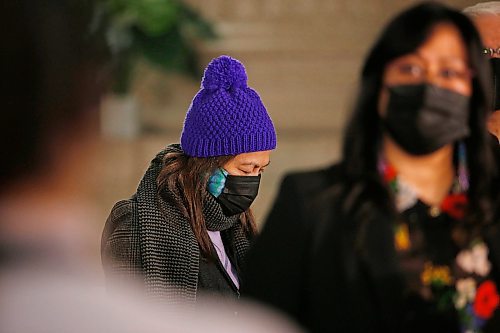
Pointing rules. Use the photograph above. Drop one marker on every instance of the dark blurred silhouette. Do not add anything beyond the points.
(403, 234)
(52, 80)
(54, 71)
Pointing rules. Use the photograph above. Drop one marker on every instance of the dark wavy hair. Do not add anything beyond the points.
(187, 178)
(403, 35)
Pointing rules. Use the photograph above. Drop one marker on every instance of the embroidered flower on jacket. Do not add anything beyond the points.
(487, 300)
(436, 275)
(475, 301)
(455, 205)
(475, 260)
(482, 266)
(465, 261)
(466, 292)
(402, 240)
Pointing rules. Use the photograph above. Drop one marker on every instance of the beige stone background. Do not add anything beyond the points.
(302, 56)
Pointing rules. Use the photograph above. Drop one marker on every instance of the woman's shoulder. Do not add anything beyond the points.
(120, 234)
(312, 181)
(298, 194)
(333, 183)
(123, 207)
(121, 219)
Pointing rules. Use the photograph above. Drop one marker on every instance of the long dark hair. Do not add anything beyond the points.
(187, 177)
(403, 35)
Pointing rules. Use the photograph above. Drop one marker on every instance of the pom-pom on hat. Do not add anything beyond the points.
(226, 117)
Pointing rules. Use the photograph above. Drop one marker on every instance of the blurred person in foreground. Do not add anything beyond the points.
(187, 228)
(403, 234)
(486, 17)
(53, 75)
(54, 71)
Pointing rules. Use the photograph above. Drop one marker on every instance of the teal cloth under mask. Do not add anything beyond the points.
(217, 181)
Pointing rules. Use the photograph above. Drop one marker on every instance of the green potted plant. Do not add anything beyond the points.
(162, 32)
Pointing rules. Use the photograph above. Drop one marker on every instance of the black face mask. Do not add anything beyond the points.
(422, 118)
(495, 67)
(238, 194)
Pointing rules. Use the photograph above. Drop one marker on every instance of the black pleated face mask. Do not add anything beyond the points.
(238, 194)
(495, 67)
(421, 118)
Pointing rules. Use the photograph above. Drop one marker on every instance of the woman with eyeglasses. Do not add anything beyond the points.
(486, 17)
(403, 234)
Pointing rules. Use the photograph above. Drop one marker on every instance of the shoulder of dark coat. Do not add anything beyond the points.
(121, 217)
(310, 182)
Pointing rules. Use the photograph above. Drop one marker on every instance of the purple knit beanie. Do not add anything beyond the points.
(226, 117)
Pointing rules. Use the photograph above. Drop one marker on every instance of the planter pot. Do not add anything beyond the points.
(120, 117)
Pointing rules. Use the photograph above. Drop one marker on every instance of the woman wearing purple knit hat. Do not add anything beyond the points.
(188, 226)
